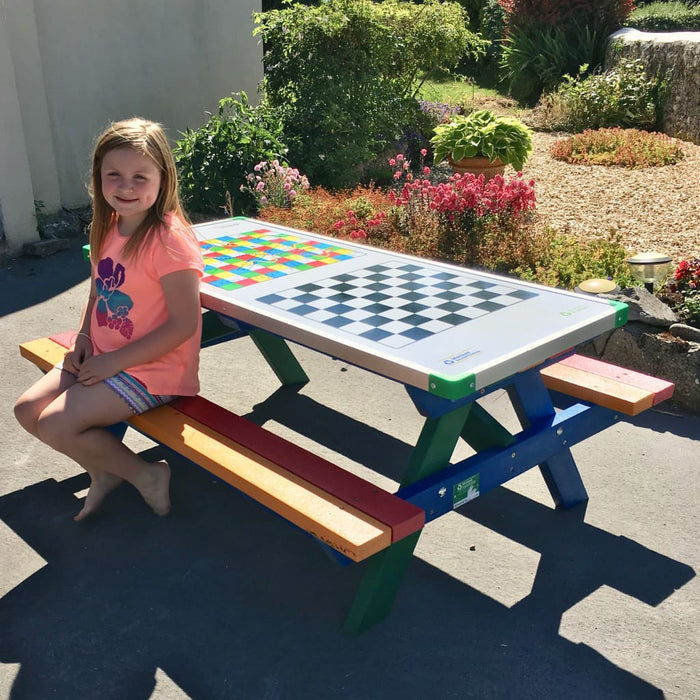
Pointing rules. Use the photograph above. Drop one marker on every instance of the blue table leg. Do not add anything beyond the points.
(532, 402)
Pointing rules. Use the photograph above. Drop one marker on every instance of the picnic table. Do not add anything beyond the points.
(448, 334)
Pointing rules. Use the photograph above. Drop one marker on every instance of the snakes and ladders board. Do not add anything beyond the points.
(258, 255)
(447, 329)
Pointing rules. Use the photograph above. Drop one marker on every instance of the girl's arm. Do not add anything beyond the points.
(82, 345)
(181, 290)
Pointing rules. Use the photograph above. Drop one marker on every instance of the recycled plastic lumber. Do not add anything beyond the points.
(350, 514)
(605, 384)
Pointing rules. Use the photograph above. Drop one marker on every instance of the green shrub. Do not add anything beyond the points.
(534, 60)
(623, 96)
(343, 76)
(473, 11)
(630, 148)
(548, 39)
(665, 17)
(213, 161)
(568, 261)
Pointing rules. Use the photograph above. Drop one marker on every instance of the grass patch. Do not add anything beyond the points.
(461, 91)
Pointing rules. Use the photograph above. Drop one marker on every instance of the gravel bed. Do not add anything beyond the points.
(650, 208)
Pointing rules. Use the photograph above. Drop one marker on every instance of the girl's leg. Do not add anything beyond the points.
(73, 424)
(34, 400)
(32, 404)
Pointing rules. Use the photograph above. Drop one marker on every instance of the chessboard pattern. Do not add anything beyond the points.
(232, 262)
(397, 303)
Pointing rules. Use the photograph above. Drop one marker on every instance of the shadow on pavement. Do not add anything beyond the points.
(28, 281)
(229, 601)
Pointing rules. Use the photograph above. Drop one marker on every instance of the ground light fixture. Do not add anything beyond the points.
(597, 286)
(650, 268)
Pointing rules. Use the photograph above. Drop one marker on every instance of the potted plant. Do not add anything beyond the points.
(481, 140)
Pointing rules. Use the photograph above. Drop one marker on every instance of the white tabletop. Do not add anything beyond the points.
(443, 328)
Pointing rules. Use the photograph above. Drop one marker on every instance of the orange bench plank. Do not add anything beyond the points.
(330, 519)
(404, 518)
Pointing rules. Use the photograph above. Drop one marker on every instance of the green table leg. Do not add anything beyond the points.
(280, 358)
(385, 569)
(214, 331)
(482, 431)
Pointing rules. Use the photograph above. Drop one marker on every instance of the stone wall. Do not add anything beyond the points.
(679, 54)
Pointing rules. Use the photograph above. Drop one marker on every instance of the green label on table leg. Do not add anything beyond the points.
(465, 491)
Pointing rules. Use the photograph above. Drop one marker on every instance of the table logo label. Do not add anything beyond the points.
(459, 357)
(465, 491)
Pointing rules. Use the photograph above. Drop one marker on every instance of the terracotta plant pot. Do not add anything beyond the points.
(478, 166)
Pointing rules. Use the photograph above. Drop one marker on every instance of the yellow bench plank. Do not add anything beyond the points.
(348, 530)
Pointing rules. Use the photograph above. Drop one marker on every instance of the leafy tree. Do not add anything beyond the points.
(343, 76)
(213, 161)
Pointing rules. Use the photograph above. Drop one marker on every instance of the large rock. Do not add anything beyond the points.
(678, 55)
(644, 307)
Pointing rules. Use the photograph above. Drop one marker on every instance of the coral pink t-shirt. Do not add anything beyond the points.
(130, 304)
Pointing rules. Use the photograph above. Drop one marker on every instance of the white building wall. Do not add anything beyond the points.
(17, 223)
(80, 64)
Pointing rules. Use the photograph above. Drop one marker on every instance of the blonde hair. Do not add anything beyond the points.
(148, 138)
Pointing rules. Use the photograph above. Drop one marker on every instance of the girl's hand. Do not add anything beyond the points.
(97, 367)
(82, 350)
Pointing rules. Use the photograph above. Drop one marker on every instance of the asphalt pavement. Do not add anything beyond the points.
(505, 598)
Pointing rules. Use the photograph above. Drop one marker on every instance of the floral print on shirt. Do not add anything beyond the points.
(113, 306)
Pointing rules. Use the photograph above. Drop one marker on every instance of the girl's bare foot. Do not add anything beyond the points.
(157, 491)
(100, 485)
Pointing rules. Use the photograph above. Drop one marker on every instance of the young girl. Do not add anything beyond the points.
(137, 346)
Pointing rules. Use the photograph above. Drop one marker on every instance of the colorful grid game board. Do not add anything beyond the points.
(232, 262)
(397, 303)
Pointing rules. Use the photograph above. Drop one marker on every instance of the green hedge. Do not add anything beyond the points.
(665, 17)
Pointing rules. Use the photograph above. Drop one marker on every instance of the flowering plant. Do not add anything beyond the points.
(685, 287)
(273, 184)
(468, 219)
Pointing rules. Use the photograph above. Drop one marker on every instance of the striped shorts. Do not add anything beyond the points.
(135, 393)
(137, 397)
